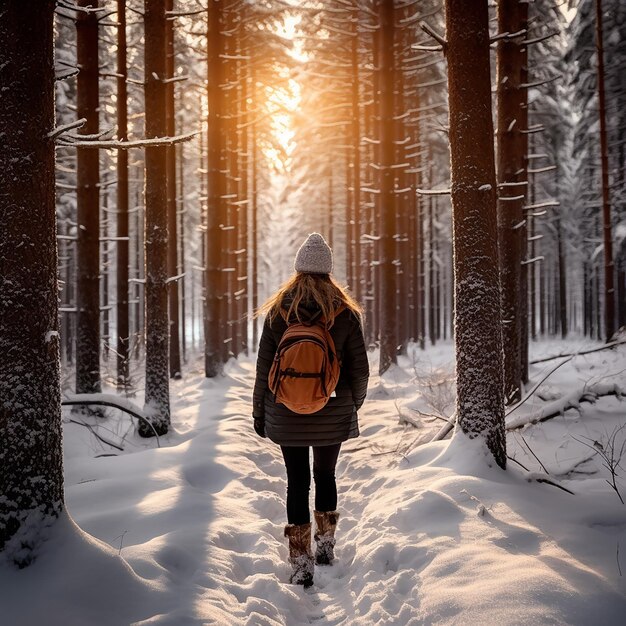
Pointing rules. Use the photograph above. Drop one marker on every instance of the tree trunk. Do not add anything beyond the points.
(609, 288)
(421, 275)
(244, 209)
(400, 192)
(216, 189)
(122, 204)
(431, 271)
(104, 306)
(621, 285)
(31, 480)
(480, 402)
(172, 217)
(356, 269)
(180, 204)
(231, 275)
(349, 211)
(156, 237)
(388, 274)
(88, 209)
(522, 8)
(254, 218)
(511, 192)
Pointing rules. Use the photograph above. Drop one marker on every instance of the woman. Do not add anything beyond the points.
(311, 297)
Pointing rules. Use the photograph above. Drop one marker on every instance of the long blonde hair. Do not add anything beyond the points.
(319, 288)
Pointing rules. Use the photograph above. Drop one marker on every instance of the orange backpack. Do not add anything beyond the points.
(306, 369)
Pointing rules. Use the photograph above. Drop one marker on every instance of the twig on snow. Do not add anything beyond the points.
(580, 352)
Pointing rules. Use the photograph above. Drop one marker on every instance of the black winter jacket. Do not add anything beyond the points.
(338, 420)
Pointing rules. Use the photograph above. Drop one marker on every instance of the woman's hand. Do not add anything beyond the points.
(259, 427)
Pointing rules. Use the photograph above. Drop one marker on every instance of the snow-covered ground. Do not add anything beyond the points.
(192, 532)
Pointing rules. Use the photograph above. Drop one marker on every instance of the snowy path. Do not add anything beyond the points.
(428, 534)
(204, 515)
(247, 553)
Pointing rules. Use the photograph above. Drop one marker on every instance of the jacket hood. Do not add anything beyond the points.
(309, 311)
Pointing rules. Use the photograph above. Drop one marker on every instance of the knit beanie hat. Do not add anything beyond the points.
(314, 256)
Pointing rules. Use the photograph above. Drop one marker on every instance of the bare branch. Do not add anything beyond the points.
(127, 145)
(433, 192)
(59, 130)
(435, 35)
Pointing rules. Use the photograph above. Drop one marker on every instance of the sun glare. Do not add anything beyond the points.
(283, 99)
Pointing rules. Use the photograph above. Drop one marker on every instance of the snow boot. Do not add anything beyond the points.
(300, 555)
(325, 525)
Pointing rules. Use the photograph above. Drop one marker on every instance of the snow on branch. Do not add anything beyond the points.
(521, 183)
(435, 35)
(59, 130)
(184, 13)
(433, 192)
(528, 42)
(173, 279)
(540, 82)
(588, 393)
(74, 7)
(536, 128)
(108, 399)
(534, 259)
(422, 48)
(507, 36)
(104, 134)
(542, 205)
(579, 353)
(572, 400)
(67, 74)
(127, 145)
(175, 79)
(541, 170)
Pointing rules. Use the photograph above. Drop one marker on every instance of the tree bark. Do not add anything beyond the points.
(389, 279)
(511, 192)
(156, 235)
(172, 217)
(477, 324)
(31, 480)
(254, 216)
(609, 268)
(523, 176)
(243, 206)
(216, 188)
(123, 338)
(88, 209)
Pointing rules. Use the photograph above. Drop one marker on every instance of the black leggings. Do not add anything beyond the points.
(299, 480)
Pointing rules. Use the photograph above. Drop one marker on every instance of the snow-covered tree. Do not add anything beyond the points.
(31, 476)
(157, 322)
(478, 336)
(88, 204)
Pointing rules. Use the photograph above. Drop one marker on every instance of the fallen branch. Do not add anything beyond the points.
(560, 356)
(532, 391)
(96, 435)
(445, 429)
(547, 481)
(105, 399)
(571, 401)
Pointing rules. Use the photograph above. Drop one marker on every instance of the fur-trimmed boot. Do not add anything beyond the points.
(300, 555)
(325, 525)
